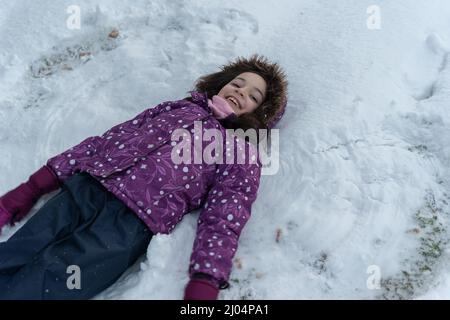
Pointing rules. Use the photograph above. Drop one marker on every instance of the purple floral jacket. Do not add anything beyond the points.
(133, 161)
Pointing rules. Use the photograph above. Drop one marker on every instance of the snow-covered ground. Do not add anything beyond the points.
(360, 206)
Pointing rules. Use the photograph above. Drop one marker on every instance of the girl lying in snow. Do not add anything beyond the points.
(121, 188)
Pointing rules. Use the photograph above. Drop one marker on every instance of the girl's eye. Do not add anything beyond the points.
(235, 84)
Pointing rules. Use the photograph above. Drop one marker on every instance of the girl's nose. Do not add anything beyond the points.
(239, 91)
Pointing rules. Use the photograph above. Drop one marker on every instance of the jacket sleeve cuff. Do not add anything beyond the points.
(55, 179)
(206, 277)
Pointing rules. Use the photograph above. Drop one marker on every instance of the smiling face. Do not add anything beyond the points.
(244, 93)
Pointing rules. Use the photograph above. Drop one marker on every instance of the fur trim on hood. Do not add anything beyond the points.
(272, 109)
(276, 98)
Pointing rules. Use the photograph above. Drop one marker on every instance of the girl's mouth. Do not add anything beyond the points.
(233, 101)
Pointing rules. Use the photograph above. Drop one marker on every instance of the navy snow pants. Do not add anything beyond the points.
(78, 244)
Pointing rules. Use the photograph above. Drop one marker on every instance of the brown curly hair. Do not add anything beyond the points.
(272, 108)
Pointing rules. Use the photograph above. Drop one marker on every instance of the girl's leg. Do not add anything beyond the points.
(55, 219)
(107, 240)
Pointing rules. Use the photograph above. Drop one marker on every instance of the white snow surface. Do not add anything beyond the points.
(359, 208)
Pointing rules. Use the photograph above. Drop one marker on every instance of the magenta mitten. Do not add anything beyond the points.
(16, 204)
(201, 288)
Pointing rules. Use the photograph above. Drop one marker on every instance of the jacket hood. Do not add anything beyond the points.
(275, 103)
(272, 109)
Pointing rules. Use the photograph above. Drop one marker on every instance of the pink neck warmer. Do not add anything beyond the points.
(220, 107)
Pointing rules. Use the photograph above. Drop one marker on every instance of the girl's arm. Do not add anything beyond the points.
(224, 215)
(70, 161)
(16, 204)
